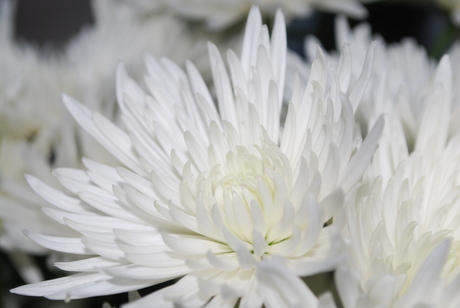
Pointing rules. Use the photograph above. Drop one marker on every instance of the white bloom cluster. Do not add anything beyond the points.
(212, 188)
(401, 222)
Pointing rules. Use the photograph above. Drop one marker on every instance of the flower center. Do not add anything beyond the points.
(248, 192)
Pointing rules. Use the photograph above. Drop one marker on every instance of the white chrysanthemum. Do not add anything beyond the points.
(34, 126)
(207, 193)
(407, 204)
(399, 222)
(218, 14)
(402, 224)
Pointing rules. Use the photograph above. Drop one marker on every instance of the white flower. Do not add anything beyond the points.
(411, 186)
(35, 127)
(402, 223)
(207, 193)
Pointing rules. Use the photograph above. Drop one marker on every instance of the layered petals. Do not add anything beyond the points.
(209, 189)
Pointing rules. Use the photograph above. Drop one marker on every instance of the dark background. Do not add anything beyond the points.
(51, 23)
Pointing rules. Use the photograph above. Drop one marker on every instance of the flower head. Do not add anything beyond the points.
(402, 223)
(207, 193)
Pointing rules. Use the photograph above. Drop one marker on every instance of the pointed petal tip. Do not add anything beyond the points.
(254, 16)
(16, 290)
(188, 64)
(67, 100)
(444, 69)
(30, 179)
(120, 68)
(71, 104)
(444, 58)
(120, 72)
(379, 125)
(279, 16)
(254, 11)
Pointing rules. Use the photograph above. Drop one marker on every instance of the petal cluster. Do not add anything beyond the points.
(402, 222)
(207, 193)
(37, 134)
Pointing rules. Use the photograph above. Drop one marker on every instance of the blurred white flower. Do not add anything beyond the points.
(36, 133)
(218, 14)
(207, 193)
(19, 121)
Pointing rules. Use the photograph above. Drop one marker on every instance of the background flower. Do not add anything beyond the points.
(401, 222)
(36, 133)
(221, 14)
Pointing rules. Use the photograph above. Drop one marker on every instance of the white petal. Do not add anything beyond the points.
(96, 125)
(101, 288)
(426, 278)
(278, 52)
(363, 80)
(86, 265)
(50, 287)
(133, 271)
(278, 287)
(190, 245)
(154, 300)
(62, 244)
(57, 198)
(251, 39)
(362, 158)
